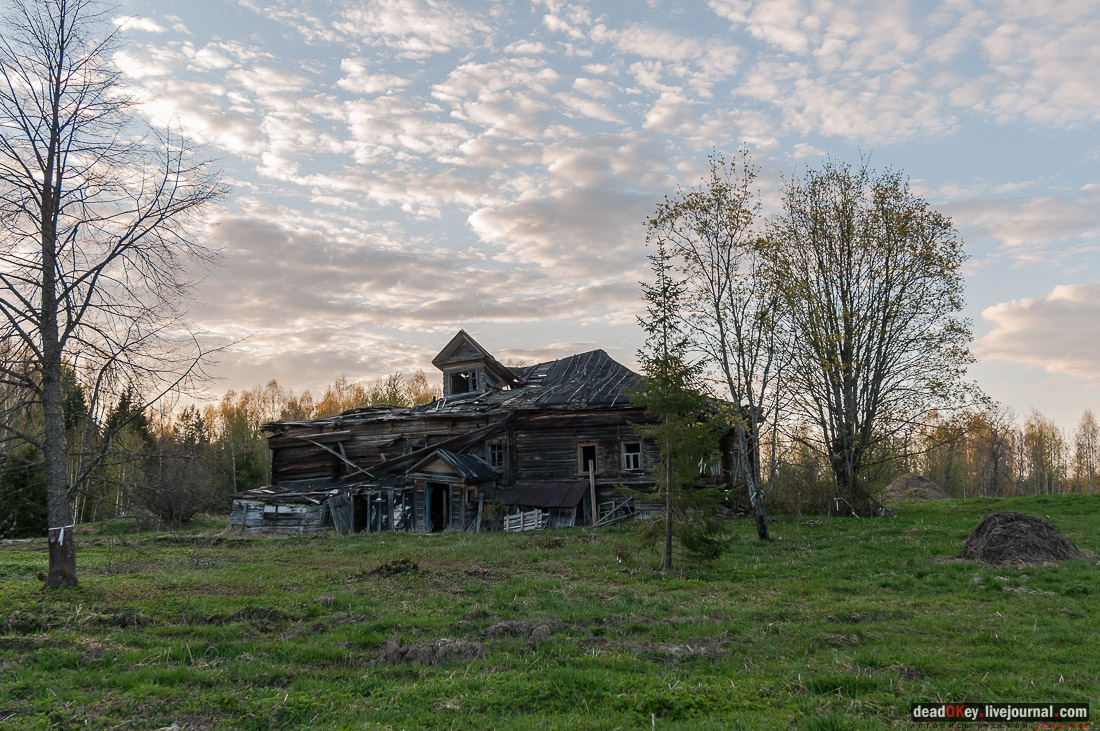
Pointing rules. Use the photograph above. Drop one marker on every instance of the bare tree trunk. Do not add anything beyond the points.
(113, 215)
(751, 474)
(667, 566)
(62, 566)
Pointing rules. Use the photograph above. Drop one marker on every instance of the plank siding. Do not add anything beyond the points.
(541, 413)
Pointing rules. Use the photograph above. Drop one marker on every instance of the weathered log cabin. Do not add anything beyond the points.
(504, 447)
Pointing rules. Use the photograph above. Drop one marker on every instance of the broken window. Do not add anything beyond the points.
(711, 466)
(464, 382)
(632, 456)
(586, 454)
(495, 451)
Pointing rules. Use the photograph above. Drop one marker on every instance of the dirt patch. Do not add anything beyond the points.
(708, 647)
(122, 619)
(535, 633)
(840, 639)
(913, 487)
(216, 590)
(394, 651)
(396, 568)
(23, 544)
(1008, 537)
(470, 621)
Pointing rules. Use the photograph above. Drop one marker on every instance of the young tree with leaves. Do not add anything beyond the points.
(95, 238)
(731, 306)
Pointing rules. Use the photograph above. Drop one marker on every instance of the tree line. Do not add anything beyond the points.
(979, 452)
(162, 466)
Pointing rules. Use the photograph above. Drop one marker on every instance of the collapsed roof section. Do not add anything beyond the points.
(591, 380)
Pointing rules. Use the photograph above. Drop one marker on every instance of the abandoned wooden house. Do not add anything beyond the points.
(504, 447)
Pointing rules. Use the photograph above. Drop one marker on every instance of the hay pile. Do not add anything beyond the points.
(914, 487)
(1017, 538)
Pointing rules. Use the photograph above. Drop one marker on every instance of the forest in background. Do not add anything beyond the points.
(983, 452)
(167, 465)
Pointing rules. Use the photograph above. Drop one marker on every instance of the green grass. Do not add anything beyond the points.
(841, 623)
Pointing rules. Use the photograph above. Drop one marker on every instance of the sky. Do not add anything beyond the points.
(401, 169)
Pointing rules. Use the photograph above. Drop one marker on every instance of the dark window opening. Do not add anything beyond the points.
(632, 456)
(711, 466)
(586, 454)
(464, 382)
(496, 454)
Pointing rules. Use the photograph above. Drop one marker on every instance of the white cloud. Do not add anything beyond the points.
(1060, 332)
(803, 150)
(200, 109)
(379, 126)
(869, 70)
(266, 81)
(389, 158)
(1043, 230)
(137, 23)
(414, 28)
(358, 79)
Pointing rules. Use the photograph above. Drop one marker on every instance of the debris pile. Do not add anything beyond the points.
(914, 487)
(1008, 537)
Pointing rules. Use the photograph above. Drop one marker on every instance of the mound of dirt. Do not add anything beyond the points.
(1008, 537)
(394, 651)
(914, 487)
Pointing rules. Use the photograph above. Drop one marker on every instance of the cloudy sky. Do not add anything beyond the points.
(404, 168)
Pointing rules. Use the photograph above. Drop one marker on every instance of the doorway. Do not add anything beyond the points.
(439, 501)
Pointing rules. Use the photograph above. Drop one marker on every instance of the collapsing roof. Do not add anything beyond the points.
(470, 467)
(521, 437)
(583, 381)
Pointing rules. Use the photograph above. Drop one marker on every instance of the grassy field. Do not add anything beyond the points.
(841, 623)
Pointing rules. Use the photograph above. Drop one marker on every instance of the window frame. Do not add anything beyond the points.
(495, 446)
(582, 467)
(634, 456)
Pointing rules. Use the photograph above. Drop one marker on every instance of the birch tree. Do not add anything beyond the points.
(96, 239)
(1086, 455)
(870, 284)
(731, 305)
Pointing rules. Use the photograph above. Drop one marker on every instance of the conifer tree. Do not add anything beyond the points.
(670, 393)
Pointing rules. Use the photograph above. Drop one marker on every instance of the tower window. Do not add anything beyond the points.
(465, 382)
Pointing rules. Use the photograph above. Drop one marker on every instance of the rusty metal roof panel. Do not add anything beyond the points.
(545, 494)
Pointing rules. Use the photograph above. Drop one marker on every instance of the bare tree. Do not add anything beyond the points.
(1086, 458)
(732, 312)
(870, 284)
(96, 239)
(1046, 455)
(991, 435)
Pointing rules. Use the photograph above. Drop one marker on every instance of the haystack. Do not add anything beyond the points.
(1017, 538)
(914, 487)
